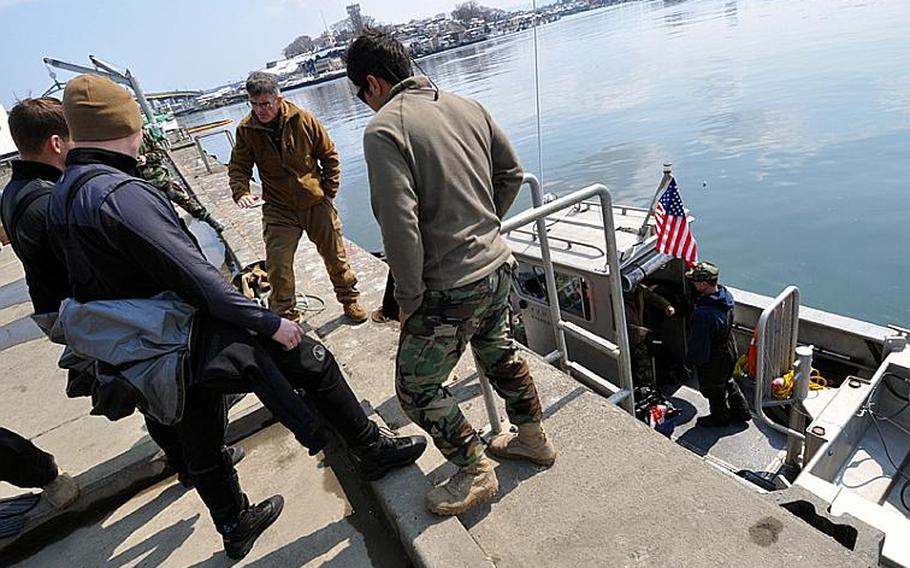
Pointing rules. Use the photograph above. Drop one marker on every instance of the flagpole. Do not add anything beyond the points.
(661, 188)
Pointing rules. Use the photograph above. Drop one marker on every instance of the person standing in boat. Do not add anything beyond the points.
(300, 173)
(442, 175)
(711, 349)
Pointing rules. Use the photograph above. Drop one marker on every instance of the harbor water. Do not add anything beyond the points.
(788, 125)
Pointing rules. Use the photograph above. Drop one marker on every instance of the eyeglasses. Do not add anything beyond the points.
(263, 105)
(361, 92)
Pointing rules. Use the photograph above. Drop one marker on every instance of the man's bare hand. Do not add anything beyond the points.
(402, 318)
(289, 334)
(670, 311)
(247, 201)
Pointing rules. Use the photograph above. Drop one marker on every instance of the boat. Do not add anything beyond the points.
(842, 445)
(209, 126)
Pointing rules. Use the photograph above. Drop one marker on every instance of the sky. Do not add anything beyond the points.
(171, 44)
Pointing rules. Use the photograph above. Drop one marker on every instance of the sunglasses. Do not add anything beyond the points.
(361, 92)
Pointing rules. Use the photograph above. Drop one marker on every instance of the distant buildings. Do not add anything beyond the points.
(422, 37)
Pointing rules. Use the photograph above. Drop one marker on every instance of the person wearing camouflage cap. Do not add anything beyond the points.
(711, 349)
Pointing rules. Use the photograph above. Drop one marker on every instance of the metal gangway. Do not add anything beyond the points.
(621, 393)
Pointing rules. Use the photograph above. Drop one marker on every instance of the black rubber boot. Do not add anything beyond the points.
(720, 414)
(240, 535)
(388, 452)
(236, 454)
(214, 224)
(739, 408)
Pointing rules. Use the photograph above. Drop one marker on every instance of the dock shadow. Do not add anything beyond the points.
(13, 294)
(327, 328)
(18, 332)
(566, 399)
(301, 552)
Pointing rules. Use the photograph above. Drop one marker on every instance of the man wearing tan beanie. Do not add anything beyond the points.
(122, 240)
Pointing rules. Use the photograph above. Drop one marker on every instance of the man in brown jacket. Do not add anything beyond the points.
(442, 176)
(300, 172)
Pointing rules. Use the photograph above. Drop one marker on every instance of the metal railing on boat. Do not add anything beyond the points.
(621, 394)
(777, 353)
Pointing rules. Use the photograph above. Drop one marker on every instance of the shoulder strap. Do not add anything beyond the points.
(77, 185)
(22, 205)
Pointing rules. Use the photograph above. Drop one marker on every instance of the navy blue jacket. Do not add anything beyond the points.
(709, 327)
(121, 239)
(24, 213)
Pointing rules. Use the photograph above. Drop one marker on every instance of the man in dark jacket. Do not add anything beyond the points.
(121, 239)
(712, 349)
(39, 130)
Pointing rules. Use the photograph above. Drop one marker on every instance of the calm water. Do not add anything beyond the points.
(788, 124)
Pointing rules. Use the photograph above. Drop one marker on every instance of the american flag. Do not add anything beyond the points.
(673, 234)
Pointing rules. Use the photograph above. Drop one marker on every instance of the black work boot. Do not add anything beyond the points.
(720, 414)
(240, 535)
(212, 222)
(386, 453)
(236, 454)
(739, 408)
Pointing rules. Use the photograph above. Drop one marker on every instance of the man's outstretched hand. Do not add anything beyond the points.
(247, 201)
(289, 334)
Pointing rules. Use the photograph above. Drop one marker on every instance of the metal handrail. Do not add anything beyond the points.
(777, 354)
(489, 398)
(624, 393)
(202, 154)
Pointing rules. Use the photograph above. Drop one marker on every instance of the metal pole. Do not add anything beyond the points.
(619, 311)
(489, 398)
(661, 188)
(205, 159)
(140, 96)
(803, 366)
(552, 293)
(549, 273)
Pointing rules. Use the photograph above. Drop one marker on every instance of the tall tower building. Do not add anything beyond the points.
(356, 20)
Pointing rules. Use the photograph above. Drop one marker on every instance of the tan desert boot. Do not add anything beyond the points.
(356, 312)
(469, 487)
(530, 443)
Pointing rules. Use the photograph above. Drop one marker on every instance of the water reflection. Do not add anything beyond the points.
(791, 115)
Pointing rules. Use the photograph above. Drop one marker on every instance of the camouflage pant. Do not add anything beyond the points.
(432, 341)
(187, 202)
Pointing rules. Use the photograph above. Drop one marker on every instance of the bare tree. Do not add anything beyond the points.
(302, 44)
(467, 11)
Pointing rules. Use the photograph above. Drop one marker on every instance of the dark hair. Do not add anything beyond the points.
(379, 54)
(261, 83)
(33, 121)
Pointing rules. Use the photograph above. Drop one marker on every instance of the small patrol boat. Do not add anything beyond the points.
(830, 395)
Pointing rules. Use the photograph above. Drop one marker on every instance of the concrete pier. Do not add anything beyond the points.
(619, 494)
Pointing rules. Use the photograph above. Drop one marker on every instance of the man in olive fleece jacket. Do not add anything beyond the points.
(442, 175)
